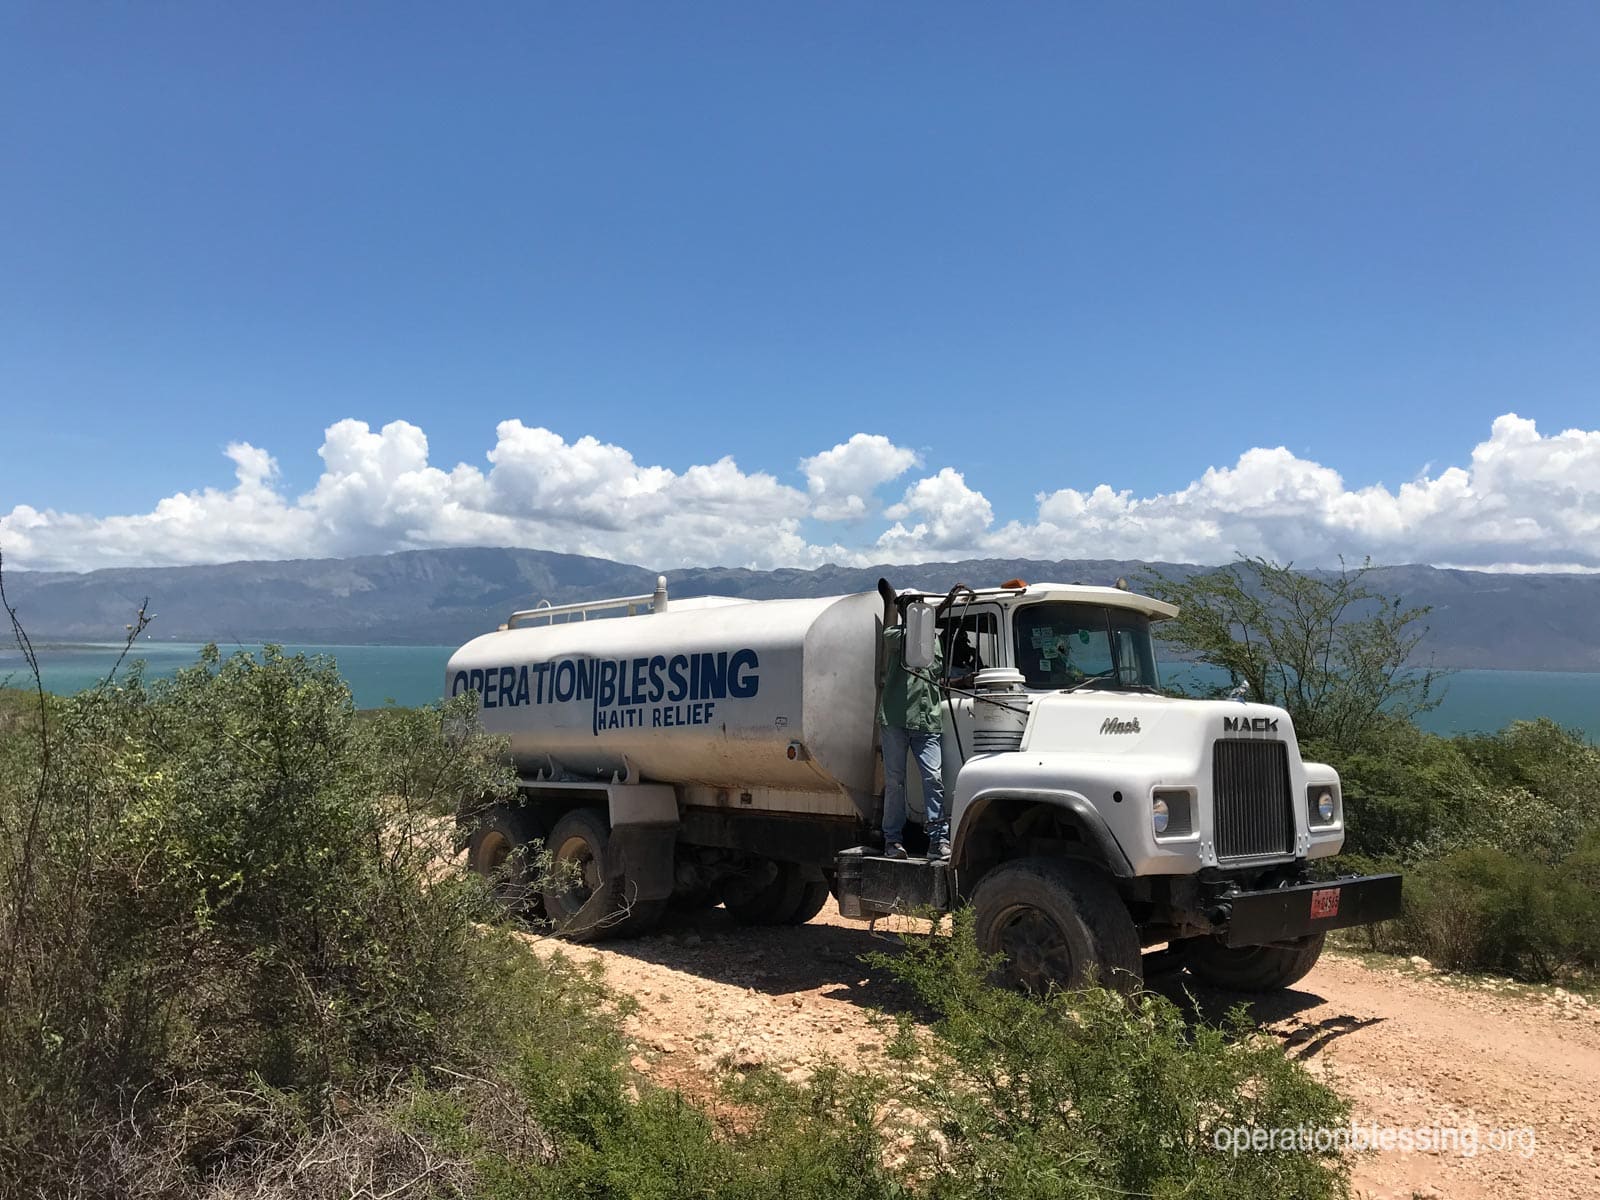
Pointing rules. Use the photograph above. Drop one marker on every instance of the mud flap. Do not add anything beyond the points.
(642, 857)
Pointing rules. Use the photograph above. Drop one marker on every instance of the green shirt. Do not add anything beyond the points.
(910, 701)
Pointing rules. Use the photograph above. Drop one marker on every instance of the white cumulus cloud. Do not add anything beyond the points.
(842, 481)
(1522, 501)
(950, 520)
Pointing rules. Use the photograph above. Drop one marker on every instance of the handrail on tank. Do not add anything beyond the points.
(657, 601)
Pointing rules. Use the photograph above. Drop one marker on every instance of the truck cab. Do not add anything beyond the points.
(1185, 822)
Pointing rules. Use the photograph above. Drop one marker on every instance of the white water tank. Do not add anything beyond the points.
(776, 697)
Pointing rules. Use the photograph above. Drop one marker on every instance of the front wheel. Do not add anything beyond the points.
(1253, 968)
(1057, 925)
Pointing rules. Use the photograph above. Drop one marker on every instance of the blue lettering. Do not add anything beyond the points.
(713, 676)
(657, 665)
(680, 686)
(636, 692)
(522, 686)
(586, 673)
(491, 680)
(742, 686)
(508, 685)
(565, 680)
(459, 684)
(605, 688)
(475, 682)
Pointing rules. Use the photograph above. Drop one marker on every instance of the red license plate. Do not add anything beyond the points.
(1324, 903)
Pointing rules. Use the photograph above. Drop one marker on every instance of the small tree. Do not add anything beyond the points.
(1327, 647)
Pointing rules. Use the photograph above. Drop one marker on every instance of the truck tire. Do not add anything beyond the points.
(1057, 925)
(500, 849)
(816, 895)
(699, 900)
(1253, 968)
(775, 902)
(580, 902)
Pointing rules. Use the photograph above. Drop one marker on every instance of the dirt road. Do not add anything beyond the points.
(1413, 1051)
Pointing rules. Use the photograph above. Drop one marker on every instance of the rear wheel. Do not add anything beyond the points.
(770, 899)
(1253, 968)
(1057, 925)
(500, 850)
(581, 902)
(699, 900)
(816, 895)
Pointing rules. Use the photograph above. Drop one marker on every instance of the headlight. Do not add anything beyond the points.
(1172, 812)
(1322, 804)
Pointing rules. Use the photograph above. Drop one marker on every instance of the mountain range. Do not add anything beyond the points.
(443, 597)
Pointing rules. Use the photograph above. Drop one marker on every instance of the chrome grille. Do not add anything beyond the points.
(1251, 799)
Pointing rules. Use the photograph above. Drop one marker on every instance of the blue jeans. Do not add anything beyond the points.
(930, 760)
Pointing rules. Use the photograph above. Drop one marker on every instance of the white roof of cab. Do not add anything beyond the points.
(1156, 610)
(1080, 593)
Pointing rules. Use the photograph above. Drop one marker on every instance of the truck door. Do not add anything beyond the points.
(970, 638)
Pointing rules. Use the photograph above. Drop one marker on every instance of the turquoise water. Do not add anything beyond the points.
(1474, 700)
(1480, 701)
(376, 674)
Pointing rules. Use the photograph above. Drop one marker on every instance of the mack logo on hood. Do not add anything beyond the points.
(1117, 725)
(1250, 724)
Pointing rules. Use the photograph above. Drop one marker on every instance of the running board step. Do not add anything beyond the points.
(870, 885)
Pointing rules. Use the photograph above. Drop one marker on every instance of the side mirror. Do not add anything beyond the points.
(922, 632)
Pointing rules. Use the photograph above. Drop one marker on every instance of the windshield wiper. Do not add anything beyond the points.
(1110, 683)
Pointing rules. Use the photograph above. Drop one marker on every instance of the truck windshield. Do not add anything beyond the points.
(1065, 645)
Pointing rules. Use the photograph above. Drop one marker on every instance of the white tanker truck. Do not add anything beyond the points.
(717, 750)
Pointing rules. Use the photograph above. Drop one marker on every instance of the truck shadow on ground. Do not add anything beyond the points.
(823, 959)
(1278, 1012)
(828, 959)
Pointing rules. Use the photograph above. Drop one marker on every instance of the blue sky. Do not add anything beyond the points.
(1036, 248)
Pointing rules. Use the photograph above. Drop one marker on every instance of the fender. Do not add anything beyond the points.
(1087, 816)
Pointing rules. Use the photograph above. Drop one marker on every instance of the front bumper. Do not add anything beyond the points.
(1283, 914)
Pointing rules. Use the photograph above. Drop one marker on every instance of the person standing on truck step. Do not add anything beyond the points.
(909, 713)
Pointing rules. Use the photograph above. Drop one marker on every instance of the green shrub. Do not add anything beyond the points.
(1405, 791)
(1489, 831)
(1582, 871)
(1415, 795)
(1484, 909)
(1086, 1094)
(1546, 778)
(214, 882)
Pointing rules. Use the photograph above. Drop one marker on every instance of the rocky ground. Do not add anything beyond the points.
(1412, 1049)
